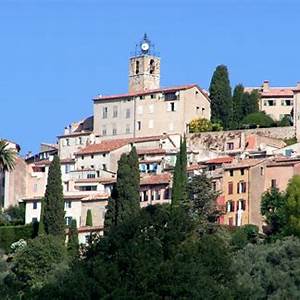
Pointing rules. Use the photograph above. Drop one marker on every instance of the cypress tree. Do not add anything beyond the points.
(89, 218)
(54, 201)
(179, 189)
(237, 102)
(220, 95)
(110, 219)
(41, 223)
(73, 243)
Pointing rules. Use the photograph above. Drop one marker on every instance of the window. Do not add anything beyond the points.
(242, 172)
(34, 204)
(273, 183)
(142, 97)
(231, 173)
(87, 239)
(171, 96)
(150, 123)
(127, 113)
(287, 102)
(137, 67)
(92, 166)
(87, 188)
(153, 96)
(172, 106)
(241, 187)
(68, 204)
(151, 108)
(92, 156)
(104, 167)
(241, 204)
(91, 175)
(68, 220)
(152, 66)
(139, 125)
(114, 131)
(115, 111)
(104, 132)
(80, 140)
(82, 157)
(230, 206)
(262, 171)
(68, 142)
(230, 146)
(127, 130)
(214, 186)
(67, 169)
(270, 103)
(34, 220)
(104, 113)
(230, 188)
(104, 154)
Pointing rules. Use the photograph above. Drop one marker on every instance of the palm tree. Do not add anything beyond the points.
(7, 157)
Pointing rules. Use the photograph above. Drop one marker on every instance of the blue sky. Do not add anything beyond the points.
(56, 55)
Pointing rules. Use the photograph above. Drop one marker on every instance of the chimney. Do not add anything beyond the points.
(66, 131)
(265, 85)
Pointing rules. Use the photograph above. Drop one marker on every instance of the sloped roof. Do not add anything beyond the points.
(220, 160)
(161, 90)
(163, 178)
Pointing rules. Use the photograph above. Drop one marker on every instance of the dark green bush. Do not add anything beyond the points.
(258, 119)
(11, 234)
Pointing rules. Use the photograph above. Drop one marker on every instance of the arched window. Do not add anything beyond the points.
(152, 66)
(137, 67)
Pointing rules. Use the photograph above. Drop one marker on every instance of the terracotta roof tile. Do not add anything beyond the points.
(247, 163)
(220, 160)
(163, 178)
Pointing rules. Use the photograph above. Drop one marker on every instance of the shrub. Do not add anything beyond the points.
(258, 119)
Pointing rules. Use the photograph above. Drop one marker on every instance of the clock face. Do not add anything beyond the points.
(145, 46)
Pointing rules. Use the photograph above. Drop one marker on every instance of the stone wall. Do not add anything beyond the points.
(217, 140)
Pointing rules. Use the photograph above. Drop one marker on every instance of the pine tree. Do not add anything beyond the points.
(220, 95)
(73, 242)
(54, 201)
(179, 189)
(89, 218)
(237, 103)
(41, 223)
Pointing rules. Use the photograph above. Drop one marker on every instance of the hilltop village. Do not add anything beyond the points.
(242, 164)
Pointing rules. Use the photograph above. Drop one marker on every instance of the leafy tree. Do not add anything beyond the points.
(203, 125)
(89, 219)
(258, 119)
(54, 201)
(268, 271)
(292, 207)
(179, 188)
(15, 215)
(272, 204)
(7, 157)
(73, 243)
(250, 103)
(244, 235)
(110, 219)
(220, 95)
(203, 198)
(36, 263)
(285, 121)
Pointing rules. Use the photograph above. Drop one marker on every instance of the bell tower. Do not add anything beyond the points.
(144, 68)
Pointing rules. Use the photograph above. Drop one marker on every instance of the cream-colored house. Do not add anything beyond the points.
(147, 109)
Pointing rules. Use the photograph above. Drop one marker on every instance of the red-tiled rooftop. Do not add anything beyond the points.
(220, 160)
(278, 92)
(150, 151)
(110, 145)
(161, 90)
(246, 163)
(163, 178)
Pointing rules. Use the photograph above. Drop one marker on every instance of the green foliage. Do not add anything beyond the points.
(258, 119)
(292, 207)
(41, 223)
(37, 262)
(269, 271)
(203, 125)
(13, 215)
(220, 95)
(203, 199)
(291, 141)
(179, 188)
(89, 218)
(250, 103)
(73, 243)
(11, 234)
(285, 121)
(153, 255)
(54, 201)
(7, 157)
(272, 208)
(244, 235)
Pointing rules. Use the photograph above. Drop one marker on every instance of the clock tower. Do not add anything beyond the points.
(144, 68)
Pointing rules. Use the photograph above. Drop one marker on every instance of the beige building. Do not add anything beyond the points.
(147, 109)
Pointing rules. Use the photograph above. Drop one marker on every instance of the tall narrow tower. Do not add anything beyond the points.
(144, 68)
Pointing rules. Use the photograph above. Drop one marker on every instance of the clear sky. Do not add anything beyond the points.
(55, 55)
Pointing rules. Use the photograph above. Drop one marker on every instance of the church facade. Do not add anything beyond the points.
(148, 109)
